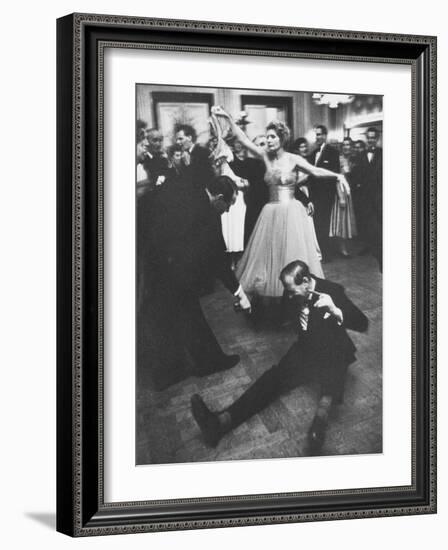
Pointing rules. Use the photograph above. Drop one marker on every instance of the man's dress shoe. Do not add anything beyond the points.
(207, 421)
(316, 435)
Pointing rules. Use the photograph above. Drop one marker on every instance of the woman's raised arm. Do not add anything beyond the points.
(238, 133)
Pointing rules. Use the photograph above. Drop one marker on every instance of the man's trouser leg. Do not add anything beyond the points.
(278, 379)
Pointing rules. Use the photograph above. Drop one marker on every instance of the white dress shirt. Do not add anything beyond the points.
(318, 154)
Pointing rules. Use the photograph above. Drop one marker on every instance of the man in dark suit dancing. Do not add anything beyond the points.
(323, 351)
(322, 190)
(184, 245)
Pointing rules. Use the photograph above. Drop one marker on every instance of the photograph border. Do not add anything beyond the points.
(81, 41)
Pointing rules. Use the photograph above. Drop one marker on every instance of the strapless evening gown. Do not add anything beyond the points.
(283, 233)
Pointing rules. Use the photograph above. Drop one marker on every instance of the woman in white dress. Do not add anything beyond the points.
(284, 231)
(233, 220)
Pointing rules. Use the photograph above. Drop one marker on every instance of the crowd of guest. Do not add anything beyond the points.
(339, 213)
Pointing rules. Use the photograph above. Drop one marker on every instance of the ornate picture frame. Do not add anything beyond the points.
(81, 506)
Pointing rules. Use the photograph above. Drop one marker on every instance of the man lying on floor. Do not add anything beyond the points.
(322, 352)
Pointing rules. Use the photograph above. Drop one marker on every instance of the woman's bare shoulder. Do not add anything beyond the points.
(292, 159)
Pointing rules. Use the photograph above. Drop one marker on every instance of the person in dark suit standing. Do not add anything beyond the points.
(156, 161)
(323, 351)
(368, 195)
(374, 192)
(152, 173)
(142, 191)
(198, 169)
(357, 180)
(185, 246)
(323, 190)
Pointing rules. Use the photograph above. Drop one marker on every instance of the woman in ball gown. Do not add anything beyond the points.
(285, 230)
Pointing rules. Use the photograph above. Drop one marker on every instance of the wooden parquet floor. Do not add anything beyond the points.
(167, 433)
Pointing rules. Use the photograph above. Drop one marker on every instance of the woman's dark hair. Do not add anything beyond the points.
(298, 142)
(281, 130)
(175, 149)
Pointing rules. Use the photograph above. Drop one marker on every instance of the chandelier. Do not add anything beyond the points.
(332, 100)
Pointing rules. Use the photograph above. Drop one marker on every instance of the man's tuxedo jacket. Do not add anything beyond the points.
(329, 158)
(323, 189)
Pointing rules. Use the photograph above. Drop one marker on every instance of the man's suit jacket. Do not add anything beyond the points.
(322, 194)
(155, 166)
(325, 337)
(329, 158)
(374, 178)
(185, 242)
(323, 189)
(326, 344)
(200, 171)
(368, 181)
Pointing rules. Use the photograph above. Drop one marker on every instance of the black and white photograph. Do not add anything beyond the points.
(258, 274)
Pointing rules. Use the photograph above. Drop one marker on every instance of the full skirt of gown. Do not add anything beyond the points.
(283, 233)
